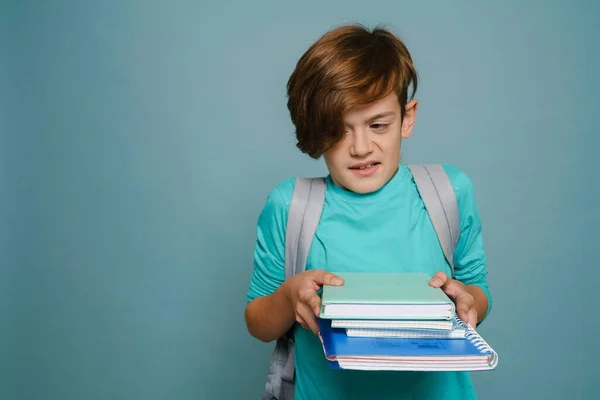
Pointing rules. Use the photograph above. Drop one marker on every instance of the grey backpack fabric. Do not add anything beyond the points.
(304, 214)
(303, 218)
(439, 198)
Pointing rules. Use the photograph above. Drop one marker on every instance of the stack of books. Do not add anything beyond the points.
(396, 321)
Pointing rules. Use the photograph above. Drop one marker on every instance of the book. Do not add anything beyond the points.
(408, 333)
(392, 324)
(471, 353)
(455, 331)
(367, 295)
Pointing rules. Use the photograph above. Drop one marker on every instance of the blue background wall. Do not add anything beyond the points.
(140, 139)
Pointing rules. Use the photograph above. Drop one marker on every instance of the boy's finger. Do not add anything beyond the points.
(313, 326)
(301, 321)
(327, 278)
(466, 298)
(309, 318)
(454, 289)
(305, 295)
(438, 280)
(462, 309)
(315, 304)
(473, 318)
(311, 300)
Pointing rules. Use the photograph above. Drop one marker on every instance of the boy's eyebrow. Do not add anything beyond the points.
(381, 115)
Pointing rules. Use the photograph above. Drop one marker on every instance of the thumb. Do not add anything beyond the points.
(322, 277)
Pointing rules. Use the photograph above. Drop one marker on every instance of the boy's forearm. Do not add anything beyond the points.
(480, 301)
(270, 317)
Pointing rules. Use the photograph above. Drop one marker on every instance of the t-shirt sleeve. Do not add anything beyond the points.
(470, 265)
(269, 249)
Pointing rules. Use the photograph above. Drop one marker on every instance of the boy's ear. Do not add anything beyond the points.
(410, 117)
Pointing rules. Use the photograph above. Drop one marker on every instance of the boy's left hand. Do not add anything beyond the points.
(457, 291)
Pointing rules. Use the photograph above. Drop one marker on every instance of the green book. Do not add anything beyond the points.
(385, 296)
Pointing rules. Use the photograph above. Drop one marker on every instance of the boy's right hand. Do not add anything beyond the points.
(302, 294)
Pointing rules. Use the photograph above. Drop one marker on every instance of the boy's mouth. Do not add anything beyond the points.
(365, 169)
(363, 166)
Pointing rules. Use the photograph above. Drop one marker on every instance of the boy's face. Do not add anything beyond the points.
(369, 154)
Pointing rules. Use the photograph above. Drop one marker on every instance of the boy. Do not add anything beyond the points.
(348, 99)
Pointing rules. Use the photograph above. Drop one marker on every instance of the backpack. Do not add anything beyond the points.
(437, 193)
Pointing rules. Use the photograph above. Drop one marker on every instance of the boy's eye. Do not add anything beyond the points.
(379, 127)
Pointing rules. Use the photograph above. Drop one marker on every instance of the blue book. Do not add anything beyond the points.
(405, 354)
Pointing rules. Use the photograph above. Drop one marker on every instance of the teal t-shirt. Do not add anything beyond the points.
(388, 230)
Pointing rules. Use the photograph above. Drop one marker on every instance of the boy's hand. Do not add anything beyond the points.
(457, 291)
(302, 294)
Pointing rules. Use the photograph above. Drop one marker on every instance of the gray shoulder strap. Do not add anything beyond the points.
(439, 198)
(303, 218)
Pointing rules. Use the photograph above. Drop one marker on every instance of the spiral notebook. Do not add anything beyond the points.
(456, 330)
(471, 353)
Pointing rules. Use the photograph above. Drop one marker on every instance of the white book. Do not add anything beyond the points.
(392, 324)
(457, 333)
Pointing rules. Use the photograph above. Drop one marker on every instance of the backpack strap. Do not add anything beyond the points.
(439, 198)
(303, 218)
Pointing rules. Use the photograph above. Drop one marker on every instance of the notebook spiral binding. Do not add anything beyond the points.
(472, 335)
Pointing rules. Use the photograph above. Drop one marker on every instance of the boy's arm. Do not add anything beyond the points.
(469, 256)
(270, 317)
(268, 311)
(274, 305)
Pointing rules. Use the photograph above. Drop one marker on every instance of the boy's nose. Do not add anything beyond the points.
(361, 144)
